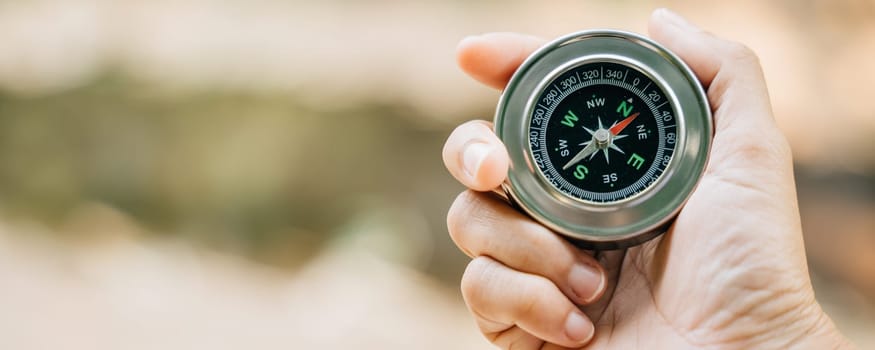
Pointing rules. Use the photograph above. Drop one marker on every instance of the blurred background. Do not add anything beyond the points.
(266, 174)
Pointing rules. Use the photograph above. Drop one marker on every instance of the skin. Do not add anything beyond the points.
(729, 273)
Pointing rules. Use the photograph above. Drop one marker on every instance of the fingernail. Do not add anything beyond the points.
(473, 156)
(578, 328)
(677, 20)
(586, 282)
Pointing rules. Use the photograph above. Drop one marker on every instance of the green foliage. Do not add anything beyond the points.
(259, 174)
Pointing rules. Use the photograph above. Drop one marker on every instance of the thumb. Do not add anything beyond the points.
(746, 140)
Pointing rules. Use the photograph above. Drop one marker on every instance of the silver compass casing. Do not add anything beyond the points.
(629, 221)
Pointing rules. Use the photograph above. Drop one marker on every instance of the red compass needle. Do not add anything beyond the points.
(616, 129)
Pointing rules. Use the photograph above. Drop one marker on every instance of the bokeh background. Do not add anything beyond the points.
(265, 174)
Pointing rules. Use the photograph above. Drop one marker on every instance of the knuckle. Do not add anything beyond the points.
(475, 281)
(530, 261)
(558, 260)
(470, 221)
(543, 241)
(531, 299)
(527, 305)
(458, 217)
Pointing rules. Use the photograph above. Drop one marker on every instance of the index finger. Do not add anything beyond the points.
(493, 58)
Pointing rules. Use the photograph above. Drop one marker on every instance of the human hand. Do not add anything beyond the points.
(730, 271)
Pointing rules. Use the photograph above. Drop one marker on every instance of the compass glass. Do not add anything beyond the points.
(602, 132)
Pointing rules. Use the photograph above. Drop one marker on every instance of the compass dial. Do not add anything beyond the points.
(602, 132)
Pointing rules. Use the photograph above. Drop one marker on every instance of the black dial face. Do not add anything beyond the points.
(602, 132)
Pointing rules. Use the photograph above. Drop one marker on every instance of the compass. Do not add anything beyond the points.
(608, 134)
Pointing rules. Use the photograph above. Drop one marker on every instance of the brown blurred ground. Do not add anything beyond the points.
(185, 174)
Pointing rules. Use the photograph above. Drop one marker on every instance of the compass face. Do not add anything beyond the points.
(602, 132)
